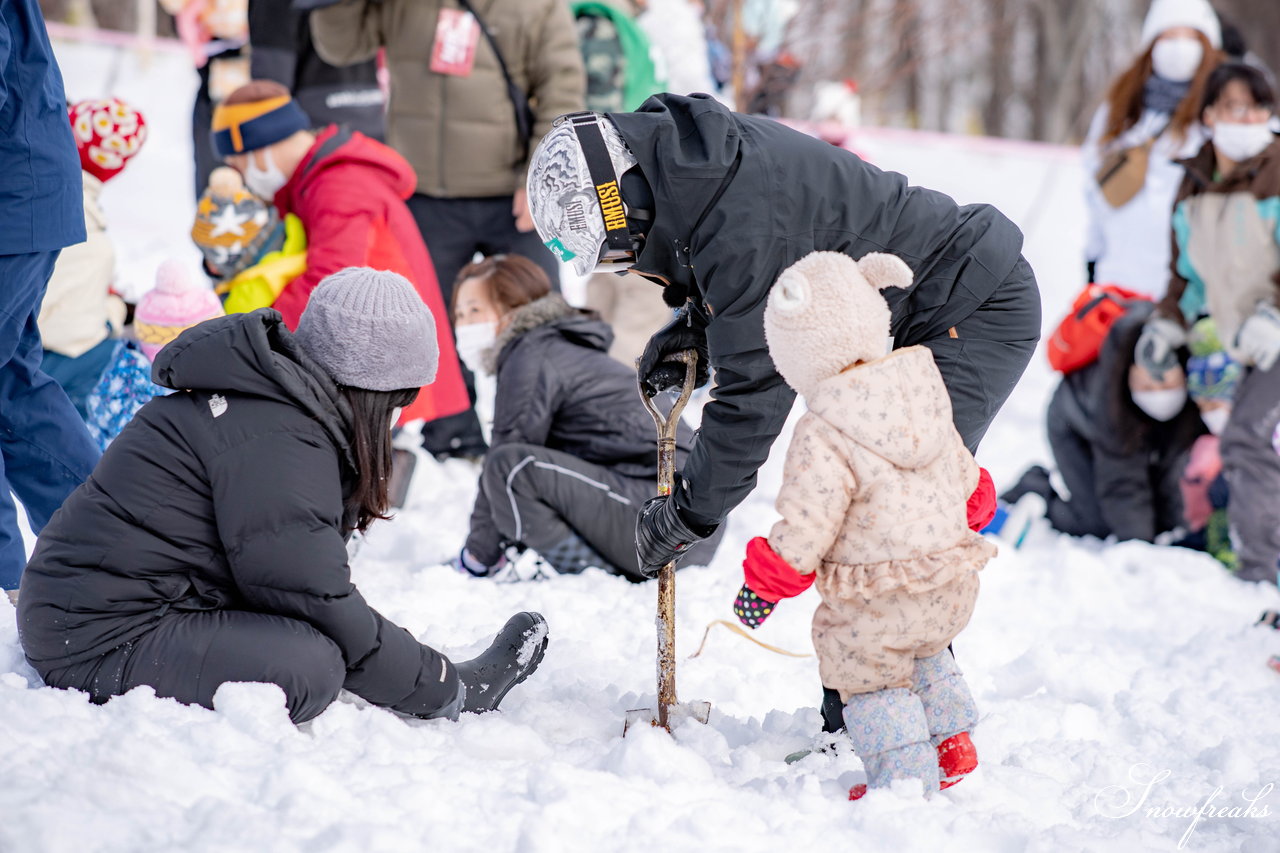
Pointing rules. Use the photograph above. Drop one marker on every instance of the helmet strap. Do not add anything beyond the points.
(586, 125)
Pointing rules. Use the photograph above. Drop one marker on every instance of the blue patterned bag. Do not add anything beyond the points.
(124, 388)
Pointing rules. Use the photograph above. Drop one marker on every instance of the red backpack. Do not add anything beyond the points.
(1078, 339)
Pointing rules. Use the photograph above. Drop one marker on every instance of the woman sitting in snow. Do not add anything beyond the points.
(209, 544)
(1120, 436)
(573, 454)
(873, 506)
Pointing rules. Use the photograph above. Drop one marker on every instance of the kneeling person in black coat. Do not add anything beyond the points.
(1120, 436)
(573, 455)
(209, 544)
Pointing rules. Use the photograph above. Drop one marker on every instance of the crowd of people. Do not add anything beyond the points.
(215, 447)
(1172, 433)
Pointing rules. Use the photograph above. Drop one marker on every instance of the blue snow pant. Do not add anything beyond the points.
(45, 448)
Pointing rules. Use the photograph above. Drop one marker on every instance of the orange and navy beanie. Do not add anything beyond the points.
(108, 132)
(238, 128)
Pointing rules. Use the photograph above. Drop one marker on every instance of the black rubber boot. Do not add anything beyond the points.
(511, 658)
(1035, 480)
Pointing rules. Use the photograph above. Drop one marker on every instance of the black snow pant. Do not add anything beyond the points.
(980, 366)
(549, 501)
(455, 229)
(1251, 464)
(206, 159)
(1081, 514)
(188, 656)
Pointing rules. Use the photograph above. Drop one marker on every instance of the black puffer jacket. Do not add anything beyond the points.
(226, 495)
(282, 50)
(559, 388)
(737, 200)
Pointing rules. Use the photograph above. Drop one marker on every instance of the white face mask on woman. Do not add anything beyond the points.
(1177, 59)
(267, 181)
(1240, 142)
(473, 341)
(1216, 419)
(1161, 405)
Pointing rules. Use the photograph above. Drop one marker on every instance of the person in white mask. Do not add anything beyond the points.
(1147, 122)
(572, 450)
(349, 192)
(1226, 265)
(1120, 436)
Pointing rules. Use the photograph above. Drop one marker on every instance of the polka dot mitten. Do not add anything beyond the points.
(751, 609)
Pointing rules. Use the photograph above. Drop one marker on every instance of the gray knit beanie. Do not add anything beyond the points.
(370, 329)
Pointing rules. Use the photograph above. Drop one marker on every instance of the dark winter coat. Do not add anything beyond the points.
(459, 131)
(349, 191)
(41, 202)
(225, 496)
(1098, 435)
(558, 387)
(282, 50)
(737, 200)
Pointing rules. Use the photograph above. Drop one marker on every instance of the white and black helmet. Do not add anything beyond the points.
(575, 194)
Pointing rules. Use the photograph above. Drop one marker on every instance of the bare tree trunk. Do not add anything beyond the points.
(1000, 67)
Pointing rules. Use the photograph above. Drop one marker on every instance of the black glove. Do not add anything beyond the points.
(657, 371)
(662, 535)
(1090, 271)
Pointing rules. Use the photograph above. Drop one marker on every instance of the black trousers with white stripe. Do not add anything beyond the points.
(538, 497)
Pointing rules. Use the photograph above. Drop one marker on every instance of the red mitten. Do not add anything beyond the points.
(770, 576)
(981, 506)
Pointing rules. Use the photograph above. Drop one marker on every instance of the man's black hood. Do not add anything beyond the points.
(686, 148)
(255, 354)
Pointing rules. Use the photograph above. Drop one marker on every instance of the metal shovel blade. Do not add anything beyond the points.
(676, 714)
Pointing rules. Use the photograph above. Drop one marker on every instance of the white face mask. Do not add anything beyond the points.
(1240, 142)
(473, 341)
(265, 182)
(1177, 59)
(1161, 405)
(1216, 419)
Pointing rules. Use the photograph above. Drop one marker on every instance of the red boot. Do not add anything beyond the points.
(957, 758)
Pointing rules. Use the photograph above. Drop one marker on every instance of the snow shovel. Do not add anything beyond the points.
(669, 711)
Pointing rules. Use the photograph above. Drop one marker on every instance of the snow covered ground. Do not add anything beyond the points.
(1118, 684)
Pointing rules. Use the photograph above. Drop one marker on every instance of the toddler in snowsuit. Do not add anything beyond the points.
(873, 506)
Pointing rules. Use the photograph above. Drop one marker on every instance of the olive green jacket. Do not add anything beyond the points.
(459, 133)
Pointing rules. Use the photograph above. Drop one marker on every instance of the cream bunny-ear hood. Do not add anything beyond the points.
(883, 270)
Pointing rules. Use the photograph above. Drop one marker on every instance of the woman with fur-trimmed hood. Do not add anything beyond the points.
(873, 504)
(573, 454)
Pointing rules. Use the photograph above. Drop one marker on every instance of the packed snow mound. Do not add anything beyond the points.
(1120, 686)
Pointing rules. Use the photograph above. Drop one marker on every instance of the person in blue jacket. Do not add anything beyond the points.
(45, 449)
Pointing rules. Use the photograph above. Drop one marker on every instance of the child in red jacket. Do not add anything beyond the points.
(349, 191)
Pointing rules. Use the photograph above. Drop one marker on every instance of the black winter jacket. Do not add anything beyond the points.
(226, 495)
(1136, 461)
(738, 199)
(558, 387)
(282, 50)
